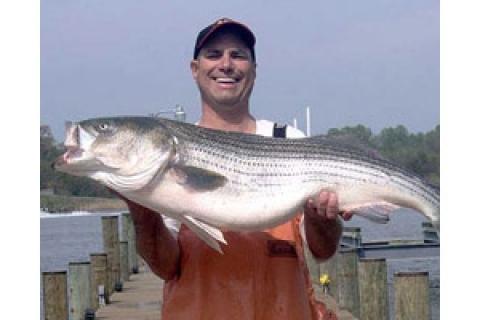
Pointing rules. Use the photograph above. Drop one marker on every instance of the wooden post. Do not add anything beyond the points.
(55, 295)
(352, 236)
(347, 281)
(373, 289)
(111, 246)
(99, 279)
(411, 296)
(79, 289)
(429, 232)
(109, 286)
(124, 272)
(124, 226)
(128, 231)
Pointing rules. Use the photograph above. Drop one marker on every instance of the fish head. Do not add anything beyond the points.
(124, 153)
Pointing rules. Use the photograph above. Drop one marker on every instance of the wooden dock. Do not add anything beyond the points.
(140, 299)
(129, 294)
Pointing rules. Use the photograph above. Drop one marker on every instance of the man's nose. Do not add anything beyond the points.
(226, 63)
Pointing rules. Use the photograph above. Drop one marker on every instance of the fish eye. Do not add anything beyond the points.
(103, 126)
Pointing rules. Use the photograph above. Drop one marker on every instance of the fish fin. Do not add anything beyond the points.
(206, 232)
(377, 212)
(199, 179)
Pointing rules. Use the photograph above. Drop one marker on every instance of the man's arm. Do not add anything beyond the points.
(157, 246)
(323, 227)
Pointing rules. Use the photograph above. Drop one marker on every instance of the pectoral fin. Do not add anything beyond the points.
(374, 211)
(207, 233)
(199, 179)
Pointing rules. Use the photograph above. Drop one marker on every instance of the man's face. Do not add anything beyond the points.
(224, 71)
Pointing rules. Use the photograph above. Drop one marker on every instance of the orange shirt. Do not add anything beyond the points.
(261, 275)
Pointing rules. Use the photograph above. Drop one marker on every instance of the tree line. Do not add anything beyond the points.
(61, 183)
(417, 152)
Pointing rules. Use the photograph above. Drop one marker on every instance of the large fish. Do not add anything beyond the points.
(213, 180)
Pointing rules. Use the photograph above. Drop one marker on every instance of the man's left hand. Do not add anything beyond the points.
(325, 206)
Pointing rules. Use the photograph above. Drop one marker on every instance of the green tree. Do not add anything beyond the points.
(48, 153)
(60, 183)
(419, 152)
(358, 132)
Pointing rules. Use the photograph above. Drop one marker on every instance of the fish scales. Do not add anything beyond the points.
(293, 153)
(253, 145)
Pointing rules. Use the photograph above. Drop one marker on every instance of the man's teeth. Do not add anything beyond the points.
(226, 80)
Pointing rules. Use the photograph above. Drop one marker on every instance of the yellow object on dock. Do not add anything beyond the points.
(324, 279)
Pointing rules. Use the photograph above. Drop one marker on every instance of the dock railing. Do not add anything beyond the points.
(357, 283)
(76, 293)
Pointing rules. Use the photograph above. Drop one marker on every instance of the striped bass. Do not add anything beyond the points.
(214, 180)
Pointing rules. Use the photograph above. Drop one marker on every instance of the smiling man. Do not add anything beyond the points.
(224, 68)
(261, 275)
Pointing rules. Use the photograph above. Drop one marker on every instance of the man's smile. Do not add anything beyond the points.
(225, 80)
(227, 83)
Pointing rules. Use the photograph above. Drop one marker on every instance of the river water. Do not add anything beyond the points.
(73, 237)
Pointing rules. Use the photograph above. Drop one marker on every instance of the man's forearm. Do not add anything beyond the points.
(323, 235)
(155, 243)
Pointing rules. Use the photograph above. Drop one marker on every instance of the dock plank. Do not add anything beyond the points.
(140, 299)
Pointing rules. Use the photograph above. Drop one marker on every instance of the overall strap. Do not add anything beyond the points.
(279, 130)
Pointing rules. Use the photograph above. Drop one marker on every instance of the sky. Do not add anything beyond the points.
(352, 62)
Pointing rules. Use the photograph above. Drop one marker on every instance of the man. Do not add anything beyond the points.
(261, 275)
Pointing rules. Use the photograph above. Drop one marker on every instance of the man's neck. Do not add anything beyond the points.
(239, 120)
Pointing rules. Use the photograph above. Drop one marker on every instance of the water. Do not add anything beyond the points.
(72, 238)
(69, 238)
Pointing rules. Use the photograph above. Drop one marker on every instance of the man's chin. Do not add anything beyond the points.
(229, 106)
(228, 103)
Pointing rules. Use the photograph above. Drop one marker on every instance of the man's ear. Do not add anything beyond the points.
(194, 68)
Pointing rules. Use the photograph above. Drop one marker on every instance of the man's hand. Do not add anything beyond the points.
(323, 229)
(325, 206)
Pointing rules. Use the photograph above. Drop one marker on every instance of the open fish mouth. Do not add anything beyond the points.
(75, 152)
(69, 157)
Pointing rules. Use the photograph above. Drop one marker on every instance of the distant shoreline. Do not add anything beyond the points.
(62, 204)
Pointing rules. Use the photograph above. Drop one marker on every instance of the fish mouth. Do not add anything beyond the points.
(71, 155)
(75, 151)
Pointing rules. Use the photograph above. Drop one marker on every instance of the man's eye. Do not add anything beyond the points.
(212, 54)
(239, 55)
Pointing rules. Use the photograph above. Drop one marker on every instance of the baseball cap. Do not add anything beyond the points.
(221, 24)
